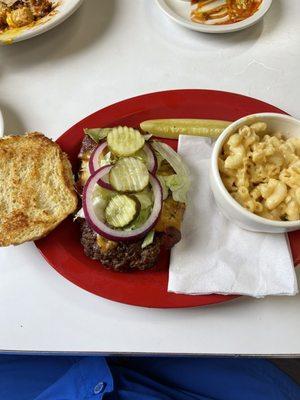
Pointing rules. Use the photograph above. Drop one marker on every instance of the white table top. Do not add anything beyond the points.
(110, 50)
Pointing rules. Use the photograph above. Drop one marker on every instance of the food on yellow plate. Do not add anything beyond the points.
(37, 188)
(221, 12)
(20, 13)
(172, 128)
(134, 193)
(261, 170)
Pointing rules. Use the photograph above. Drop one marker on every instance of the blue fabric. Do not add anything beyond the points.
(140, 378)
(31, 374)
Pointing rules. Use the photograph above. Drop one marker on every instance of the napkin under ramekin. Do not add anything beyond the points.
(215, 255)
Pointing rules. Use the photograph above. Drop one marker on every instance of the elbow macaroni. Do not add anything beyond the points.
(262, 172)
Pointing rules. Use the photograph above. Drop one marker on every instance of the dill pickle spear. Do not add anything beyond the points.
(172, 128)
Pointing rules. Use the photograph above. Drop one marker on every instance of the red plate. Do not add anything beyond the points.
(62, 248)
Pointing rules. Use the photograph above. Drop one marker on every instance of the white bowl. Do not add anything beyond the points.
(179, 11)
(64, 10)
(231, 208)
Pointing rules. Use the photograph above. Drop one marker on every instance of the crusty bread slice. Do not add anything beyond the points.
(36, 188)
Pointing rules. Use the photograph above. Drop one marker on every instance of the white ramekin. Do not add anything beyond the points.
(231, 208)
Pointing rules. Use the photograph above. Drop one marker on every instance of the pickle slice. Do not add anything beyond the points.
(121, 210)
(172, 128)
(129, 174)
(124, 141)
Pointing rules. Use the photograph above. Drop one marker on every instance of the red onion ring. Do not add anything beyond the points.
(103, 182)
(94, 158)
(101, 228)
(151, 158)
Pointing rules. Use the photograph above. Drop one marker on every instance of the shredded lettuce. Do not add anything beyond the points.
(179, 186)
(106, 160)
(140, 219)
(165, 188)
(148, 239)
(178, 183)
(145, 198)
(97, 134)
(173, 158)
(159, 159)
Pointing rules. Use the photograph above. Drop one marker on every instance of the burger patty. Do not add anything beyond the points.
(125, 256)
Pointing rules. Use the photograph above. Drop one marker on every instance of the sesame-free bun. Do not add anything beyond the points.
(36, 188)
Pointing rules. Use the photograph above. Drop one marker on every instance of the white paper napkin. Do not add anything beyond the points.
(215, 255)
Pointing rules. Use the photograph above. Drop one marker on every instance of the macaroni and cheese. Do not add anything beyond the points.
(261, 171)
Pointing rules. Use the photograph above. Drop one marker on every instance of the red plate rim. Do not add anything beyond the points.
(63, 250)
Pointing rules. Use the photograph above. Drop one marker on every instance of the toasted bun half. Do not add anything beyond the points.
(36, 188)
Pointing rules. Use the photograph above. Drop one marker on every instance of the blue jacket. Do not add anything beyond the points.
(140, 378)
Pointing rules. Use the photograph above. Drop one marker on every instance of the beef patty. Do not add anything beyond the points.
(125, 256)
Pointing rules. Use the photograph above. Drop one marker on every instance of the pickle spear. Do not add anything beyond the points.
(172, 128)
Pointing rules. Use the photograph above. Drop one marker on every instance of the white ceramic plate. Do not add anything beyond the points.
(179, 11)
(64, 9)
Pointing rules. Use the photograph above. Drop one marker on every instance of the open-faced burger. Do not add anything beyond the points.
(134, 192)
